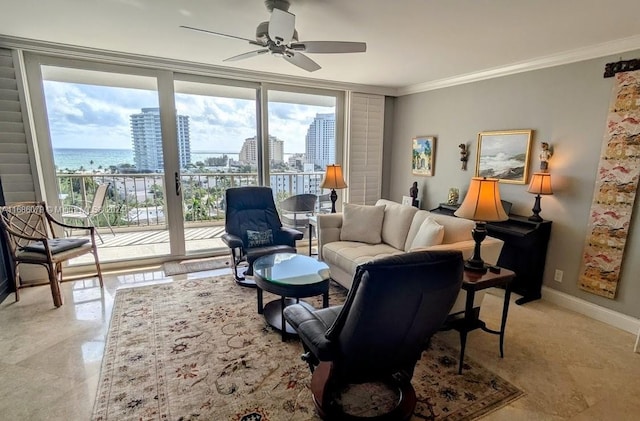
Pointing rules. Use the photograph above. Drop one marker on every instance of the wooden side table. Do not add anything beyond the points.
(471, 283)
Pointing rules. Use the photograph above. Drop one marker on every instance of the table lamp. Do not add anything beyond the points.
(540, 184)
(333, 180)
(481, 204)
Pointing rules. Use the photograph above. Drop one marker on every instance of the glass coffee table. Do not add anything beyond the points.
(291, 276)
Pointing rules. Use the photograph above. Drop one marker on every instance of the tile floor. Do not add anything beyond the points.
(570, 367)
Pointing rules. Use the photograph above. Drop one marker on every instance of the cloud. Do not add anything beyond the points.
(90, 116)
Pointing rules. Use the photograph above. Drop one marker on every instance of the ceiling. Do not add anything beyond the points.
(411, 44)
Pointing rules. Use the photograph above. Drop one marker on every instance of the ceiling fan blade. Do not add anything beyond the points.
(281, 26)
(247, 55)
(250, 41)
(301, 61)
(329, 47)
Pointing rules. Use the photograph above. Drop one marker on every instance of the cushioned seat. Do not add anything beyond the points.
(393, 308)
(253, 229)
(29, 231)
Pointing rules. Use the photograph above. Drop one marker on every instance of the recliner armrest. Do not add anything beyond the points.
(232, 241)
(312, 326)
(287, 236)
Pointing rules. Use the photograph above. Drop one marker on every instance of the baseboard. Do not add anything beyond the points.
(602, 314)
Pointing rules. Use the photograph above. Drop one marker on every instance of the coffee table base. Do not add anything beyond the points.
(273, 315)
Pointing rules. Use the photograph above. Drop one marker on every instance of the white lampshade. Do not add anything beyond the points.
(482, 202)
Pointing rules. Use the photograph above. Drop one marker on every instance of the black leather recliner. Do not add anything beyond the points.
(253, 228)
(393, 308)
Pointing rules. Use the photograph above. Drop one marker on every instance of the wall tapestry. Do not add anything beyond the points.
(615, 190)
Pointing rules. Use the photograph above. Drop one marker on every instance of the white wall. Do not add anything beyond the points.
(565, 106)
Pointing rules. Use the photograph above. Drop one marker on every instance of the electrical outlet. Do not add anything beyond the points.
(558, 276)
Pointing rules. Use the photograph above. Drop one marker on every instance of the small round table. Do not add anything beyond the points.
(291, 276)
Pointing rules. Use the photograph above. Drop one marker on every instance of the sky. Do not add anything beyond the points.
(90, 116)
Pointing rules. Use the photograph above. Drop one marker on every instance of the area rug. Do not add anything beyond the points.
(198, 350)
(188, 266)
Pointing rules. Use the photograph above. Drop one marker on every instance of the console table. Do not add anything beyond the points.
(524, 250)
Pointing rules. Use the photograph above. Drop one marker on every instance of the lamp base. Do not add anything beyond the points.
(476, 264)
(334, 197)
(536, 211)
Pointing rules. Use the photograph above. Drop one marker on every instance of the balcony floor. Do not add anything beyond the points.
(150, 243)
(134, 245)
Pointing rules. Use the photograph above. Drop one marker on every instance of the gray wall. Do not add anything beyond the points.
(566, 106)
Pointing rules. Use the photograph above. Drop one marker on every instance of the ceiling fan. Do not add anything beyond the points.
(279, 37)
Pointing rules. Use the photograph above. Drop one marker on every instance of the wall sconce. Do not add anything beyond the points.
(540, 184)
(481, 204)
(333, 180)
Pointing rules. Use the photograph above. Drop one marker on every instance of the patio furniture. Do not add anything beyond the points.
(88, 216)
(30, 232)
(295, 210)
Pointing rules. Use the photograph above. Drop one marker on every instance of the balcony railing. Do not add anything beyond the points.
(137, 200)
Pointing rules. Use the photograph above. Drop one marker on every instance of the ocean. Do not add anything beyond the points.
(93, 159)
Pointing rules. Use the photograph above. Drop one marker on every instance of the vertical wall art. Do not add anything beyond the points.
(422, 157)
(615, 190)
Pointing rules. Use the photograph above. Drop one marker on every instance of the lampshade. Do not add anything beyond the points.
(482, 202)
(333, 178)
(540, 183)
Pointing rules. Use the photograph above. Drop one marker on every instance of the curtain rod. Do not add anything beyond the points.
(610, 69)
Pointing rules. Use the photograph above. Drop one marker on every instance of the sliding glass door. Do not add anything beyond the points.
(301, 141)
(222, 123)
(105, 129)
(169, 145)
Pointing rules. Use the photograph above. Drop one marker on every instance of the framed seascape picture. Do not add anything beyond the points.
(504, 155)
(423, 153)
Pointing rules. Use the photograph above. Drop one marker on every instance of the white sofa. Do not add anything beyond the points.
(400, 227)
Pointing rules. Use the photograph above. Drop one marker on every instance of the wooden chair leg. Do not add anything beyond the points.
(55, 285)
(16, 281)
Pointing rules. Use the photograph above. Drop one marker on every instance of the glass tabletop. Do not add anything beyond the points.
(290, 269)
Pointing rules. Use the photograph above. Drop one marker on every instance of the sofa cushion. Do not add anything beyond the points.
(396, 223)
(349, 254)
(362, 223)
(455, 229)
(430, 234)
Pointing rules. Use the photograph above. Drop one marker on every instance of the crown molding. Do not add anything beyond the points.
(595, 51)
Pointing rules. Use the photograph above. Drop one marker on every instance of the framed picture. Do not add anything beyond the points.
(423, 154)
(407, 200)
(504, 155)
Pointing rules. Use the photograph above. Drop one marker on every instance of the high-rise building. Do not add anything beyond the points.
(249, 151)
(147, 140)
(320, 142)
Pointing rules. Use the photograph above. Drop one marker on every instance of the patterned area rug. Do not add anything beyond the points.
(188, 266)
(198, 350)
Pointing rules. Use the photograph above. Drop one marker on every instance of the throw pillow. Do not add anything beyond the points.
(429, 234)
(362, 223)
(259, 238)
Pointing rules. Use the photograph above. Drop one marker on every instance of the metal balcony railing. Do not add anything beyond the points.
(137, 200)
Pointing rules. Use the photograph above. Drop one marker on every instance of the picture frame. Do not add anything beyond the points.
(407, 200)
(504, 155)
(423, 155)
